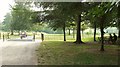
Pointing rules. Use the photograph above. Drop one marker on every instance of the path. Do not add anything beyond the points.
(19, 52)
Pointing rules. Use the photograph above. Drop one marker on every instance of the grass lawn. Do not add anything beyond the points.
(10, 36)
(69, 53)
(60, 37)
(16, 35)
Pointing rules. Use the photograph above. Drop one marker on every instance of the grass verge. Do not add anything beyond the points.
(68, 53)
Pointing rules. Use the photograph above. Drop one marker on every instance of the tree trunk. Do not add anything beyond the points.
(64, 32)
(73, 32)
(94, 31)
(12, 32)
(102, 32)
(118, 15)
(78, 37)
(102, 39)
(119, 34)
(69, 31)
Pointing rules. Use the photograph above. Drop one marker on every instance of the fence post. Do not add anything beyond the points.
(3, 37)
(34, 36)
(42, 36)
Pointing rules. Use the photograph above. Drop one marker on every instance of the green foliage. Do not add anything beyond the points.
(58, 13)
(7, 22)
(62, 14)
(45, 28)
(105, 10)
(37, 27)
(21, 17)
(84, 25)
(1, 26)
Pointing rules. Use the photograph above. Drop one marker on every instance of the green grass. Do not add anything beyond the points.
(51, 37)
(17, 36)
(68, 53)
(10, 36)
(59, 37)
(14, 36)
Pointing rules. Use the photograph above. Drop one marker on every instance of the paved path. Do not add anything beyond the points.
(19, 52)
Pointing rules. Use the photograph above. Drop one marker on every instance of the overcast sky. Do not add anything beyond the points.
(5, 8)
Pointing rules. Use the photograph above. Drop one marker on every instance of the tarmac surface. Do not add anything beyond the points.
(18, 52)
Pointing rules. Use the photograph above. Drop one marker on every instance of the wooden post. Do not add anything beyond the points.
(3, 37)
(42, 36)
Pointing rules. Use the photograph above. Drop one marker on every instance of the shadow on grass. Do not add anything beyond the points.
(69, 53)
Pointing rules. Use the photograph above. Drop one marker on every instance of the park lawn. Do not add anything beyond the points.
(69, 53)
(60, 37)
(10, 36)
(14, 36)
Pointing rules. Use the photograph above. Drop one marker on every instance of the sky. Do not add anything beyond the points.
(5, 8)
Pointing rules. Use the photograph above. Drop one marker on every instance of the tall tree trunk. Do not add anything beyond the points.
(118, 15)
(102, 32)
(73, 32)
(102, 39)
(12, 32)
(69, 31)
(94, 31)
(78, 37)
(64, 31)
(119, 34)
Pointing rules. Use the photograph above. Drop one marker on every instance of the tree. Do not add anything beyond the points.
(71, 10)
(71, 26)
(21, 17)
(118, 16)
(37, 27)
(1, 26)
(57, 21)
(84, 25)
(103, 13)
(7, 22)
(55, 18)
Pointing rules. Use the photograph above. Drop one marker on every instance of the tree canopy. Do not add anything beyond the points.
(21, 17)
